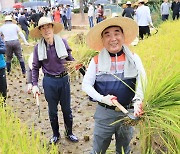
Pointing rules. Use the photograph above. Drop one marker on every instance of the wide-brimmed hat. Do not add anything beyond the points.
(145, 1)
(128, 2)
(8, 18)
(35, 33)
(129, 27)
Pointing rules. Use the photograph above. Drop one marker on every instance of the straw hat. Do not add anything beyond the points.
(35, 33)
(128, 2)
(145, 1)
(129, 26)
(8, 18)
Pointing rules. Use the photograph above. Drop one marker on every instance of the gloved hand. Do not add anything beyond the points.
(35, 90)
(138, 110)
(29, 88)
(108, 100)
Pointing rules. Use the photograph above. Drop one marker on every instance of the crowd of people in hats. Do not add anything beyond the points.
(114, 75)
(25, 18)
(138, 11)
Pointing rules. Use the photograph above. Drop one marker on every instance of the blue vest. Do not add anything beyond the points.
(106, 83)
(2, 61)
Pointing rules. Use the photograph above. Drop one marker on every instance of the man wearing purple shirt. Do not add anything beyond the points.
(51, 53)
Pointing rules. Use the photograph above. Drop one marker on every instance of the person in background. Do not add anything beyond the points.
(100, 13)
(24, 24)
(69, 17)
(26, 14)
(3, 83)
(91, 15)
(109, 77)
(128, 11)
(10, 32)
(16, 15)
(40, 11)
(175, 8)
(165, 7)
(34, 18)
(64, 17)
(57, 15)
(143, 18)
(51, 54)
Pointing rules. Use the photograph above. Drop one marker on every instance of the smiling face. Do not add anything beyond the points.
(113, 39)
(47, 31)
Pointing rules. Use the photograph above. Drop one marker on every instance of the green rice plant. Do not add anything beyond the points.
(160, 124)
(161, 120)
(16, 138)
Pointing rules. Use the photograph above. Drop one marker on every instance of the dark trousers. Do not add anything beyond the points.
(27, 33)
(175, 15)
(14, 47)
(3, 83)
(64, 19)
(143, 30)
(58, 90)
(165, 17)
(99, 19)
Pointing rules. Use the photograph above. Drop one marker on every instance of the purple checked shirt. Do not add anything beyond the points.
(52, 65)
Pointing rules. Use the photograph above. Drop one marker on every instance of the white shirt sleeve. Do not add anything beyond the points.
(149, 16)
(161, 9)
(21, 35)
(141, 79)
(89, 80)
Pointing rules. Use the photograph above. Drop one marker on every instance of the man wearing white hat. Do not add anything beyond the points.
(129, 11)
(143, 18)
(51, 53)
(114, 74)
(165, 9)
(10, 31)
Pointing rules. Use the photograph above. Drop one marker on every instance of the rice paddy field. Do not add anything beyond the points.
(158, 130)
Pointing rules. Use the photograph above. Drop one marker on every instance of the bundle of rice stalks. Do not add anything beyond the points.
(159, 128)
(160, 125)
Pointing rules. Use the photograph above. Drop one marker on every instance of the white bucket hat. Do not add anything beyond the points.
(129, 27)
(35, 33)
(128, 2)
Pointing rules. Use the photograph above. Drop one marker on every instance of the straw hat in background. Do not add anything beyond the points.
(35, 33)
(145, 1)
(8, 18)
(129, 27)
